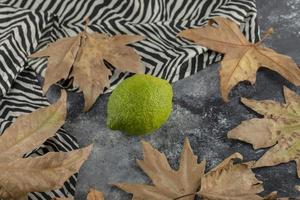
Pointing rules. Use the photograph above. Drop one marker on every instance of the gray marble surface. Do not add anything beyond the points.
(199, 114)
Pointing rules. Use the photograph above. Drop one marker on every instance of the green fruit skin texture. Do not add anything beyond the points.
(139, 105)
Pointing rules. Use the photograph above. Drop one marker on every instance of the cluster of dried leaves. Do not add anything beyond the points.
(19, 175)
(227, 181)
(82, 59)
(280, 127)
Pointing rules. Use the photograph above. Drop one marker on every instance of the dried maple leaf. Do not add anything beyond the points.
(168, 183)
(82, 58)
(243, 183)
(19, 176)
(279, 127)
(184, 183)
(242, 58)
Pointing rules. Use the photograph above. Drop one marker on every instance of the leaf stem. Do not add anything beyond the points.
(269, 32)
(87, 21)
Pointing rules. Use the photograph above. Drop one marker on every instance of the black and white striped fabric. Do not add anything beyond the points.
(20, 32)
(29, 25)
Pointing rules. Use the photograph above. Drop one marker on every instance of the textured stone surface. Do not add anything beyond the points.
(199, 114)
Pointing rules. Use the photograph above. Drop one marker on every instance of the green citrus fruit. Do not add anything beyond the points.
(139, 105)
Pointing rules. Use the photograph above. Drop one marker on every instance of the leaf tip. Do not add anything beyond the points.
(187, 142)
(262, 162)
(86, 151)
(232, 134)
(39, 54)
(141, 69)
(286, 90)
(45, 87)
(144, 143)
(62, 102)
(140, 38)
(249, 164)
(184, 33)
(237, 155)
(224, 89)
(225, 96)
(118, 185)
(89, 148)
(122, 186)
(290, 95)
(86, 107)
(246, 101)
(63, 96)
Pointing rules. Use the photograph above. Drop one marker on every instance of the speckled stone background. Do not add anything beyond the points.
(199, 114)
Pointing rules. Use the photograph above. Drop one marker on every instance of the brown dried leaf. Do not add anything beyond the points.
(231, 182)
(29, 131)
(39, 174)
(61, 55)
(168, 183)
(82, 58)
(226, 181)
(19, 176)
(279, 127)
(242, 58)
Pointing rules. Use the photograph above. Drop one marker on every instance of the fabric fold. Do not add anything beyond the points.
(20, 33)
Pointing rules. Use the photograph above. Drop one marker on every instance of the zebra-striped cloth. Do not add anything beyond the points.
(29, 25)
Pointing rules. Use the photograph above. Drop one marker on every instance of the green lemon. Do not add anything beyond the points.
(139, 105)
